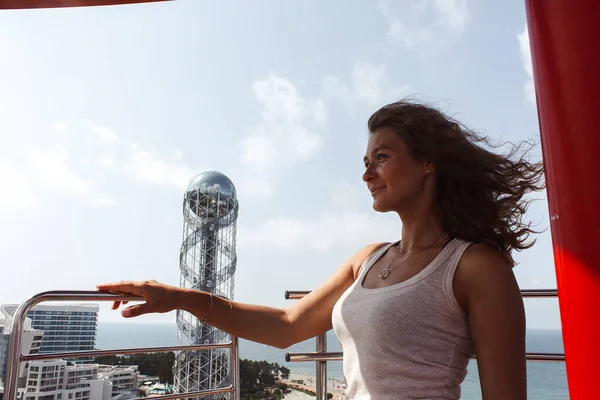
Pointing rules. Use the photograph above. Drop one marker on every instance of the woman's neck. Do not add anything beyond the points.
(420, 232)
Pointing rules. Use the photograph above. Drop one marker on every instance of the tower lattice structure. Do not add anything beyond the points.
(207, 262)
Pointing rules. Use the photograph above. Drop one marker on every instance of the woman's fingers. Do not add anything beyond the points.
(136, 310)
(151, 291)
(122, 287)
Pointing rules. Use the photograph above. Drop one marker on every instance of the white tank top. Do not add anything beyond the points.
(409, 340)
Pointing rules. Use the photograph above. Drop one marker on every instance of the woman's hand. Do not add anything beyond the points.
(159, 298)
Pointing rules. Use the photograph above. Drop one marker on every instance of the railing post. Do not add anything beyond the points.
(235, 368)
(13, 362)
(321, 368)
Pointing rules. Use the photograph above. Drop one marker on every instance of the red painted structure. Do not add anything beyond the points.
(565, 45)
(16, 4)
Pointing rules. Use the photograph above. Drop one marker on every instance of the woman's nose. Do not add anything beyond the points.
(368, 174)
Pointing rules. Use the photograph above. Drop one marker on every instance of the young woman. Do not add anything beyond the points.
(409, 314)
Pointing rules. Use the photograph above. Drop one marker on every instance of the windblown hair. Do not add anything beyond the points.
(479, 192)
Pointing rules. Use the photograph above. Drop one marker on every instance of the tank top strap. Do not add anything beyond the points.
(455, 251)
(371, 259)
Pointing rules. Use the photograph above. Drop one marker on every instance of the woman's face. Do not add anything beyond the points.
(395, 178)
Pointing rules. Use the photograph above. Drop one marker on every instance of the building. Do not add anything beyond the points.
(124, 379)
(62, 380)
(30, 343)
(65, 327)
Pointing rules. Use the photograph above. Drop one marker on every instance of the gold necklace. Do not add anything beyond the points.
(384, 273)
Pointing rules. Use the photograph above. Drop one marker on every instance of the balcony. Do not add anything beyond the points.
(320, 356)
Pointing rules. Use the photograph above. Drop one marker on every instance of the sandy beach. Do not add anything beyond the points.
(334, 386)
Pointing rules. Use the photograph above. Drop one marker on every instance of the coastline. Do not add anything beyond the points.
(309, 382)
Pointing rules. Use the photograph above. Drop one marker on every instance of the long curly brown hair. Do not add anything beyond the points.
(480, 194)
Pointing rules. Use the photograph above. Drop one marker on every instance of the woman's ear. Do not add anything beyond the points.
(428, 166)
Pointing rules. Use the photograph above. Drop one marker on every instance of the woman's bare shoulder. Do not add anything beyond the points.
(481, 268)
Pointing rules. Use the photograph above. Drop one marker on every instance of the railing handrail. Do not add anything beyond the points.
(115, 352)
(339, 356)
(15, 357)
(527, 293)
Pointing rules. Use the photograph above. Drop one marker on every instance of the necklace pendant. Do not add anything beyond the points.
(384, 273)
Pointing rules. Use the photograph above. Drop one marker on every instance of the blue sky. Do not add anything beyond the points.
(107, 113)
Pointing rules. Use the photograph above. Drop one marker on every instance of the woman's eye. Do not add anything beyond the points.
(381, 156)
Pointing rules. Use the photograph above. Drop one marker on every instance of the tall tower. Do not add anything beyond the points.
(207, 262)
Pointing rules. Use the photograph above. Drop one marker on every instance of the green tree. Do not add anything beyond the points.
(152, 364)
(285, 372)
(256, 377)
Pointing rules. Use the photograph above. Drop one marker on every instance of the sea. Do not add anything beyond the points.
(545, 380)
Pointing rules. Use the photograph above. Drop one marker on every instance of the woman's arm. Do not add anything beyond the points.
(486, 287)
(281, 328)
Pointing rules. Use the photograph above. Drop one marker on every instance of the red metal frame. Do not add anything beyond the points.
(18, 4)
(565, 37)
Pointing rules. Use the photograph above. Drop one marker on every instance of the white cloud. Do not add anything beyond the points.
(106, 135)
(281, 102)
(528, 86)
(141, 161)
(146, 165)
(58, 168)
(257, 185)
(16, 191)
(103, 201)
(259, 149)
(345, 196)
(290, 127)
(178, 154)
(50, 169)
(341, 225)
(61, 128)
(290, 131)
(329, 229)
(106, 162)
(427, 26)
(369, 84)
(453, 13)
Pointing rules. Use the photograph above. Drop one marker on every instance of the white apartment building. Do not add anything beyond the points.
(61, 380)
(66, 327)
(124, 379)
(30, 343)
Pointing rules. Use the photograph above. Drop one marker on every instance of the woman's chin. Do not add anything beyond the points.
(380, 207)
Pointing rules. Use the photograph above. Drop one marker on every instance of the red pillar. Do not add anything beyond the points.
(17, 4)
(565, 45)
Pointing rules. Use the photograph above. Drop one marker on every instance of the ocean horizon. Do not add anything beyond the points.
(546, 380)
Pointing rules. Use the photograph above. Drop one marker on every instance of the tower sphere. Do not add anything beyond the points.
(211, 197)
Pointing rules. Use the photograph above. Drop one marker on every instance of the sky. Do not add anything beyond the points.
(106, 114)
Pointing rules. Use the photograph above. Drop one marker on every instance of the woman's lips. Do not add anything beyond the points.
(376, 190)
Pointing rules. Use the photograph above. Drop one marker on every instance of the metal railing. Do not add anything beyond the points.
(15, 357)
(321, 356)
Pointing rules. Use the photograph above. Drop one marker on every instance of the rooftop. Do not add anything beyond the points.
(6, 318)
